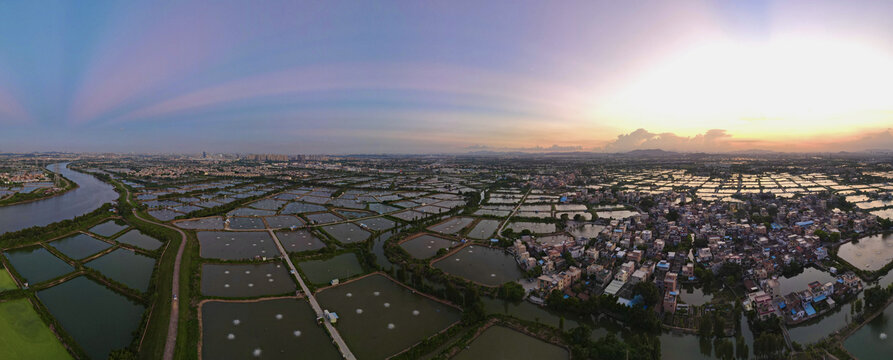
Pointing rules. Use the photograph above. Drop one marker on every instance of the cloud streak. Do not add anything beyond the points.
(719, 141)
(11, 110)
(712, 140)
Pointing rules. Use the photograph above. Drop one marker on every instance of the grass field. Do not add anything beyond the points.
(23, 335)
(6, 281)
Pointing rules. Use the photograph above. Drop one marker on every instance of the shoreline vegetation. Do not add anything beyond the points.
(38, 194)
(149, 339)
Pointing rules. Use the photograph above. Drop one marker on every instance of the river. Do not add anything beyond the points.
(90, 194)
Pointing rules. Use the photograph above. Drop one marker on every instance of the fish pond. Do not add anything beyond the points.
(870, 253)
(536, 228)
(236, 245)
(298, 241)
(452, 225)
(377, 224)
(136, 238)
(347, 233)
(379, 318)
(426, 245)
(109, 228)
(324, 271)
(232, 280)
(283, 221)
(247, 223)
(483, 265)
(36, 264)
(871, 341)
(209, 223)
(269, 329)
(80, 246)
(499, 342)
(99, 319)
(127, 267)
(484, 229)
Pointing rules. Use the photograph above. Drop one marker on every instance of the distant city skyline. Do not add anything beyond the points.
(445, 77)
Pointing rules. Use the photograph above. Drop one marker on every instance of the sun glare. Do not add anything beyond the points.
(812, 85)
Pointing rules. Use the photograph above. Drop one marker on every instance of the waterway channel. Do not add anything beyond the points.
(90, 194)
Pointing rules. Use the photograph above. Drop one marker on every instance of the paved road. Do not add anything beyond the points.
(174, 321)
(171, 342)
(342, 346)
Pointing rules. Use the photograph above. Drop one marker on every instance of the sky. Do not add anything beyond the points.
(341, 77)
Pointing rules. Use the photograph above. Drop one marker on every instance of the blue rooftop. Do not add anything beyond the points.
(809, 310)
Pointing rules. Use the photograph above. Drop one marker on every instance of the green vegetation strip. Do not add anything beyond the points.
(39, 194)
(23, 335)
(6, 281)
(55, 230)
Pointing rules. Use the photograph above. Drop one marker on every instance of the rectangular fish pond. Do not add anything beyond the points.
(109, 228)
(379, 318)
(324, 271)
(484, 229)
(226, 245)
(452, 225)
(136, 238)
(209, 223)
(36, 264)
(127, 267)
(499, 342)
(299, 241)
(269, 329)
(80, 246)
(483, 265)
(98, 318)
(347, 233)
(250, 280)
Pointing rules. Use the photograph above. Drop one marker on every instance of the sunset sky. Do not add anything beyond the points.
(445, 76)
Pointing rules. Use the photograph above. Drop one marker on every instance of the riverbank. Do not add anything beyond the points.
(10, 201)
(89, 194)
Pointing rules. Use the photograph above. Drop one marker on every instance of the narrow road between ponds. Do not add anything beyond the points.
(506, 221)
(171, 342)
(342, 346)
